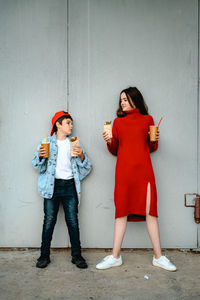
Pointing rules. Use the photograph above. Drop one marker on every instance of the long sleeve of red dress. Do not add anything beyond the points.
(131, 144)
(113, 147)
(153, 146)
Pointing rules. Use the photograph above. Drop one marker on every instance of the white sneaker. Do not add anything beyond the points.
(109, 262)
(163, 262)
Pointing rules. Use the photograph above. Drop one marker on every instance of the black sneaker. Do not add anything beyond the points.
(43, 261)
(79, 261)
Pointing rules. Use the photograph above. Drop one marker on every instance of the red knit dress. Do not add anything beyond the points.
(130, 142)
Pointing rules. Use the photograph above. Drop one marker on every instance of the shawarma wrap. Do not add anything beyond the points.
(74, 141)
(108, 128)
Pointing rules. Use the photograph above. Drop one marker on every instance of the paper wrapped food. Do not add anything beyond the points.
(74, 141)
(108, 129)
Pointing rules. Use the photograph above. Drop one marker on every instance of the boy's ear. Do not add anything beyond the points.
(57, 124)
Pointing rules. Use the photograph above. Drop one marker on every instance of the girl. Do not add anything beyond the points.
(135, 194)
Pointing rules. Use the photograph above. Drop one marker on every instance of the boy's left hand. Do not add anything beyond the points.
(78, 151)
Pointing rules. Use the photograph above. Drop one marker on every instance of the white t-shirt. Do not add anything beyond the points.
(63, 164)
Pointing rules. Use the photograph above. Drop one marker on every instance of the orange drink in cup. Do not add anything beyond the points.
(46, 147)
(153, 132)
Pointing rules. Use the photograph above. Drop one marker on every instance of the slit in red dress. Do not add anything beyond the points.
(141, 218)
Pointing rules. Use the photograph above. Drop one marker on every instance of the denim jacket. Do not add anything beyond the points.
(47, 169)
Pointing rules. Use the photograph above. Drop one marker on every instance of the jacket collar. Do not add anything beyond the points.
(54, 139)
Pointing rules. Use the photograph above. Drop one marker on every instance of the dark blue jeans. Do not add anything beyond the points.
(65, 192)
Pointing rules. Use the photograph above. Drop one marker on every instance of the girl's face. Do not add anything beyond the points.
(125, 105)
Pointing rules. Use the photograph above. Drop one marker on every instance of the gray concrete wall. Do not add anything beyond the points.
(198, 122)
(33, 79)
(112, 44)
(154, 46)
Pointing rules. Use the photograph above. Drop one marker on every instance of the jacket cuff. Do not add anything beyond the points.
(84, 163)
(39, 162)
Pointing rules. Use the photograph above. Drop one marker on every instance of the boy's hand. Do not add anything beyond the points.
(78, 151)
(106, 137)
(42, 152)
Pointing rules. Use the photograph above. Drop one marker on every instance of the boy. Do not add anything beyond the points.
(59, 181)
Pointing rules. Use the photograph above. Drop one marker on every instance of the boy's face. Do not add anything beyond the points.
(66, 127)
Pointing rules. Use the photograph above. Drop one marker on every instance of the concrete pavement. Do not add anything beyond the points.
(21, 280)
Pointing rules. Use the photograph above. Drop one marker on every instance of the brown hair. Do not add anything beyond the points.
(60, 121)
(132, 93)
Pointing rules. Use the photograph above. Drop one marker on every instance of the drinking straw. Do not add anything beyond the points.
(160, 121)
(46, 138)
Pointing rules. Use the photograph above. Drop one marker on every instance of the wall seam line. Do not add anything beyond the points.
(68, 72)
(68, 55)
(198, 111)
(88, 62)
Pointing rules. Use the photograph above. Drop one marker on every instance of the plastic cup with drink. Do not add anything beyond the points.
(153, 130)
(45, 145)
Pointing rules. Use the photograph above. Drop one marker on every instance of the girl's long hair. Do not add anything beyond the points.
(132, 93)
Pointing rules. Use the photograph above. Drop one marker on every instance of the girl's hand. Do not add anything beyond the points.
(157, 136)
(42, 152)
(106, 137)
(78, 151)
